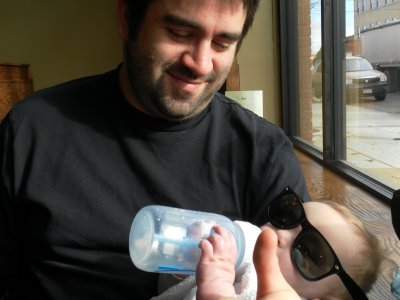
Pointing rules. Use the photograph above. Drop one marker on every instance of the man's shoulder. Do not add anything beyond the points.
(81, 92)
(94, 84)
(70, 101)
(240, 115)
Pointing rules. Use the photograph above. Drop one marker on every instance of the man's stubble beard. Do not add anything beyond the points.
(154, 94)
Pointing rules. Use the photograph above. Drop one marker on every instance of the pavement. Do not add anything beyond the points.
(373, 140)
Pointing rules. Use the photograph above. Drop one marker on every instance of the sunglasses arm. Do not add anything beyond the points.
(355, 291)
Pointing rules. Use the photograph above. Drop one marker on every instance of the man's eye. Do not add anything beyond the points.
(179, 33)
(221, 46)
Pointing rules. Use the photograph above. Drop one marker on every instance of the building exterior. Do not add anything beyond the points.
(371, 13)
(377, 37)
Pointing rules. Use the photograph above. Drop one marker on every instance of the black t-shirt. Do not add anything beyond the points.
(78, 161)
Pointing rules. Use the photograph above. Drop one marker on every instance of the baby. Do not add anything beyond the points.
(304, 258)
(356, 249)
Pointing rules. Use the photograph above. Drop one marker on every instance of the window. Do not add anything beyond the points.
(341, 101)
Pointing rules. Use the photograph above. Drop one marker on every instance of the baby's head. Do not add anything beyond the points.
(356, 248)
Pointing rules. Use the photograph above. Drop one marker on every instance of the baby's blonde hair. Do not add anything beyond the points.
(364, 268)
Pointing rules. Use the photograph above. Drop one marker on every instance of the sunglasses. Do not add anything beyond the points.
(311, 253)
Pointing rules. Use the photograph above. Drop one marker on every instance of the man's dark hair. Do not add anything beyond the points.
(137, 10)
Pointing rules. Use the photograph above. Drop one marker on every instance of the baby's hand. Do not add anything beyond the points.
(216, 268)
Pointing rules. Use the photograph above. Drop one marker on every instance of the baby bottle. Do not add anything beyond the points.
(165, 239)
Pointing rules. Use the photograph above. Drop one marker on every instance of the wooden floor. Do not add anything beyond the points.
(324, 184)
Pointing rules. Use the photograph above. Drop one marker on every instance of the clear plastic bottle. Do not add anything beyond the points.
(165, 239)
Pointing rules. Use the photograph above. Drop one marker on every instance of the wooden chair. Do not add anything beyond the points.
(15, 84)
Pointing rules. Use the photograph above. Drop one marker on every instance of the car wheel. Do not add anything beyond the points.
(380, 97)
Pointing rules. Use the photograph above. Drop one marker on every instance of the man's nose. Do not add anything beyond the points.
(199, 59)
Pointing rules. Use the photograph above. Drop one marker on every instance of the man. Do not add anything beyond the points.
(80, 159)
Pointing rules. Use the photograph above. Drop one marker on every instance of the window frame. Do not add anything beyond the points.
(333, 112)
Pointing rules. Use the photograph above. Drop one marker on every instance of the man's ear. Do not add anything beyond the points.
(123, 20)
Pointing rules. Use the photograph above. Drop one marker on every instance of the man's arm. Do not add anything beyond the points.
(8, 249)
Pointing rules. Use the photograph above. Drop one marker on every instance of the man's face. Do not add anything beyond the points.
(182, 55)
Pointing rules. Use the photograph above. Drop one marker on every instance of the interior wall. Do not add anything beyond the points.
(258, 60)
(61, 40)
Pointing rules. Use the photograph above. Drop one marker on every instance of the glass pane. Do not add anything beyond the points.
(310, 72)
(372, 88)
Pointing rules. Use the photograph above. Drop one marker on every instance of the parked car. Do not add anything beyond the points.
(361, 79)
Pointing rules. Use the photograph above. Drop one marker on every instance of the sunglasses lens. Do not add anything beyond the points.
(312, 255)
(287, 212)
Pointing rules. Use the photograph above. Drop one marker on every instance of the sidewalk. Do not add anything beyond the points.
(373, 142)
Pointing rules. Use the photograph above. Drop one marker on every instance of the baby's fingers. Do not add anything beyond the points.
(223, 242)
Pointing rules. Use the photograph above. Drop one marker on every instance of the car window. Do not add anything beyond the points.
(358, 64)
